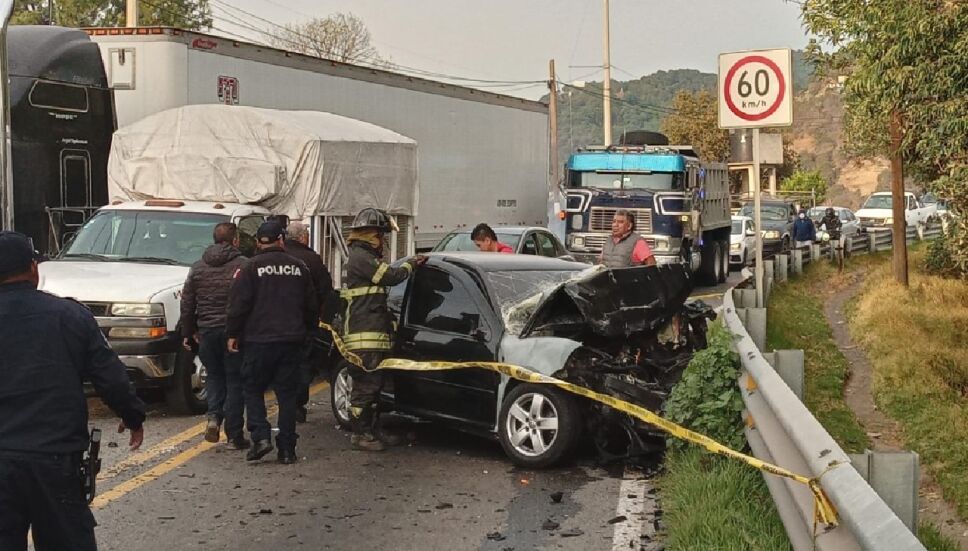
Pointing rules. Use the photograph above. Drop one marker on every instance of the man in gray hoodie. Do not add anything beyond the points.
(203, 308)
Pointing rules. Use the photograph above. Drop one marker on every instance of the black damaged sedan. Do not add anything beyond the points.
(624, 332)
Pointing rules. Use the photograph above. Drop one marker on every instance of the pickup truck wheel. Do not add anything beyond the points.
(539, 425)
(340, 387)
(186, 391)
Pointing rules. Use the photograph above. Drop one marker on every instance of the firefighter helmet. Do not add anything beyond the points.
(374, 218)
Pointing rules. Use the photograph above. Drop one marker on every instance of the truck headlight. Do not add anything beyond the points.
(137, 332)
(889, 220)
(137, 309)
(771, 234)
(579, 242)
(735, 246)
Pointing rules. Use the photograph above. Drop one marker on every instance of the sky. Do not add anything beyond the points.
(512, 40)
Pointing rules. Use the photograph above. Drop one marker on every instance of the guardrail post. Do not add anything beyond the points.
(895, 476)
(797, 261)
(849, 244)
(815, 252)
(755, 324)
(789, 365)
(782, 265)
(872, 242)
(745, 298)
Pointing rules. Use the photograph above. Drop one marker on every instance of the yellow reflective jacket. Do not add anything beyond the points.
(367, 322)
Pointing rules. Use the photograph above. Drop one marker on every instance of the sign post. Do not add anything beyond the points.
(756, 91)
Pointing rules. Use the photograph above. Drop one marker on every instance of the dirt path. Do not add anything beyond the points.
(884, 432)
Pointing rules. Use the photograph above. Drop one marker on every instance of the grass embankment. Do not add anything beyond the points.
(917, 341)
(795, 320)
(710, 502)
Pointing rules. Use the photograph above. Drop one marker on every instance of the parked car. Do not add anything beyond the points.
(523, 239)
(529, 311)
(776, 219)
(742, 242)
(849, 224)
(942, 212)
(877, 212)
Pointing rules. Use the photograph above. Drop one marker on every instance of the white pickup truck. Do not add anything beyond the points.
(876, 212)
(128, 264)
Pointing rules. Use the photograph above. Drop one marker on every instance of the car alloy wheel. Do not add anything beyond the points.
(198, 381)
(342, 388)
(532, 424)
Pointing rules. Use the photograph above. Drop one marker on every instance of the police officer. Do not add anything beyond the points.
(297, 245)
(50, 347)
(367, 323)
(272, 308)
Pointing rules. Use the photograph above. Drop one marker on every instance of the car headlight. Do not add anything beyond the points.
(735, 246)
(579, 242)
(137, 332)
(889, 220)
(771, 234)
(137, 309)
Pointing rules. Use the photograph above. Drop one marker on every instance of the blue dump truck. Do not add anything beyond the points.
(681, 205)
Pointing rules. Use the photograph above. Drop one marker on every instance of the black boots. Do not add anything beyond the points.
(259, 450)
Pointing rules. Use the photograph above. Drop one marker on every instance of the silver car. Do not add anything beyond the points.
(849, 224)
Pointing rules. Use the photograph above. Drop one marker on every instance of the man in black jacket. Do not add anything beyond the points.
(272, 308)
(297, 245)
(50, 347)
(203, 303)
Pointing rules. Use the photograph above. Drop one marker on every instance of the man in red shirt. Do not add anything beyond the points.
(486, 240)
(626, 248)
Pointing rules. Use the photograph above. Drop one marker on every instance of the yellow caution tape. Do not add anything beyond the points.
(824, 510)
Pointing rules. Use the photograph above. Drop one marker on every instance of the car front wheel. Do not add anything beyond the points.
(539, 425)
(340, 388)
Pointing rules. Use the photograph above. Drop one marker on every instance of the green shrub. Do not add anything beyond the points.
(707, 399)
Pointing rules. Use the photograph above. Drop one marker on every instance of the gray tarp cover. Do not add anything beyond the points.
(299, 163)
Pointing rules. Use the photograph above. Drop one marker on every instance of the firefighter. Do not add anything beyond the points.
(367, 324)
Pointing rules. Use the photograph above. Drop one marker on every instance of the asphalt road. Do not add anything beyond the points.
(444, 490)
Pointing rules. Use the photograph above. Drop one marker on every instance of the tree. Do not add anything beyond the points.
(905, 57)
(806, 181)
(340, 37)
(694, 122)
(185, 14)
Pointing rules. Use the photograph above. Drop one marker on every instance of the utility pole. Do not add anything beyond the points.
(899, 238)
(553, 120)
(607, 87)
(131, 13)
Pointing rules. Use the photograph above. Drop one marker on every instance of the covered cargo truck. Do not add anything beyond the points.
(490, 150)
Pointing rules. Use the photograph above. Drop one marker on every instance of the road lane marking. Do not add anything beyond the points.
(172, 463)
(154, 451)
(632, 499)
(702, 297)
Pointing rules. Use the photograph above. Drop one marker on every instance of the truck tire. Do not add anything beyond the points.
(710, 263)
(185, 392)
(528, 413)
(724, 254)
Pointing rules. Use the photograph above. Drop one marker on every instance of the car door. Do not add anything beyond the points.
(528, 244)
(848, 224)
(750, 240)
(546, 244)
(447, 318)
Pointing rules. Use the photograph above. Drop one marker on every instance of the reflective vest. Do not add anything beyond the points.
(367, 322)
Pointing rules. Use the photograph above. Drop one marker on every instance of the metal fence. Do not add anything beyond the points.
(781, 430)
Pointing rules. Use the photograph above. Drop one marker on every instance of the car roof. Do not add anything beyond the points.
(506, 262)
(505, 229)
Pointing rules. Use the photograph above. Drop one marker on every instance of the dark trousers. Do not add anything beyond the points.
(365, 394)
(275, 365)
(223, 381)
(315, 359)
(43, 494)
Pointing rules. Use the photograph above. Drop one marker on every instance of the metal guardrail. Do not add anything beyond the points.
(782, 430)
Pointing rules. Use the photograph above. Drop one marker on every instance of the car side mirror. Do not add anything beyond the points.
(750, 233)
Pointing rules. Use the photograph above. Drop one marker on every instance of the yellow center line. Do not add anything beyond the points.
(174, 462)
(710, 295)
(160, 448)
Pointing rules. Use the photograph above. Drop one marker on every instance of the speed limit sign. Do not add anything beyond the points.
(755, 89)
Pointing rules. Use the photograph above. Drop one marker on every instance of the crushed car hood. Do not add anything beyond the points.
(614, 303)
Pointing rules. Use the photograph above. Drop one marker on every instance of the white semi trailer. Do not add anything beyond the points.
(483, 157)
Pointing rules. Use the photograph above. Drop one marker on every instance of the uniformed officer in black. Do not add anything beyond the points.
(272, 309)
(50, 347)
(367, 323)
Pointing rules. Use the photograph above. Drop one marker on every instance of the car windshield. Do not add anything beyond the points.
(769, 212)
(518, 292)
(737, 227)
(145, 236)
(878, 202)
(462, 241)
(656, 180)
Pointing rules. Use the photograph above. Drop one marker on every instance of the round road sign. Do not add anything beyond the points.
(757, 91)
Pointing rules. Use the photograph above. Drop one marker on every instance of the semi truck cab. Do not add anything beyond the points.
(128, 264)
(681, 206)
